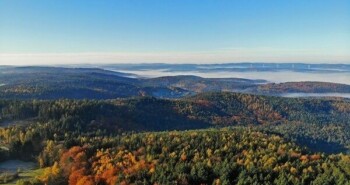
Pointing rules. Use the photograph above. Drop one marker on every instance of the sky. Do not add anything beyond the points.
(173, 31)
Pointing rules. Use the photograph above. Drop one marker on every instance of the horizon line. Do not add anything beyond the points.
(204, 57)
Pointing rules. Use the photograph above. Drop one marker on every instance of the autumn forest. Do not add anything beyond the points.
(203, 137)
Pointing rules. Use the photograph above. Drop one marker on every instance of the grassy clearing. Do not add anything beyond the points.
(8, 177)
(13, 170)
(26, 175)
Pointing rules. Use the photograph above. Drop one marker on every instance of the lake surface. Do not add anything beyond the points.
(14, 165)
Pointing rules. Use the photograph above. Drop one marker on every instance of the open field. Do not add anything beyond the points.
(13, 170)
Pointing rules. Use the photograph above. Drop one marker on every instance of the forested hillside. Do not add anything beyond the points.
(97, 136)
(113, 129)
(298, 119)
(228, 156)
(302, 87)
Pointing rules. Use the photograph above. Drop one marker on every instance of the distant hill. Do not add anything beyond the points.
(302, 87)
(74, 83)
(198, 84)
(94, 83)
(234, 67)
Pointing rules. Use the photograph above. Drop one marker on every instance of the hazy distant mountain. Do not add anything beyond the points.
(232, 67)
(94, 83)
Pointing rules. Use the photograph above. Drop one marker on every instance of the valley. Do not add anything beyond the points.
(116, 129)
(94, 83)
(174, 92)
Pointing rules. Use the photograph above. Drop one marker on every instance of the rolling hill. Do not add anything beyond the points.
(94, 83)
(200, 111)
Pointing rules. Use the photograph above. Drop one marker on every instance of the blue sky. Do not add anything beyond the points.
(176, 31)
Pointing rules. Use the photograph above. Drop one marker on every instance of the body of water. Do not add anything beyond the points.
(14, 165)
